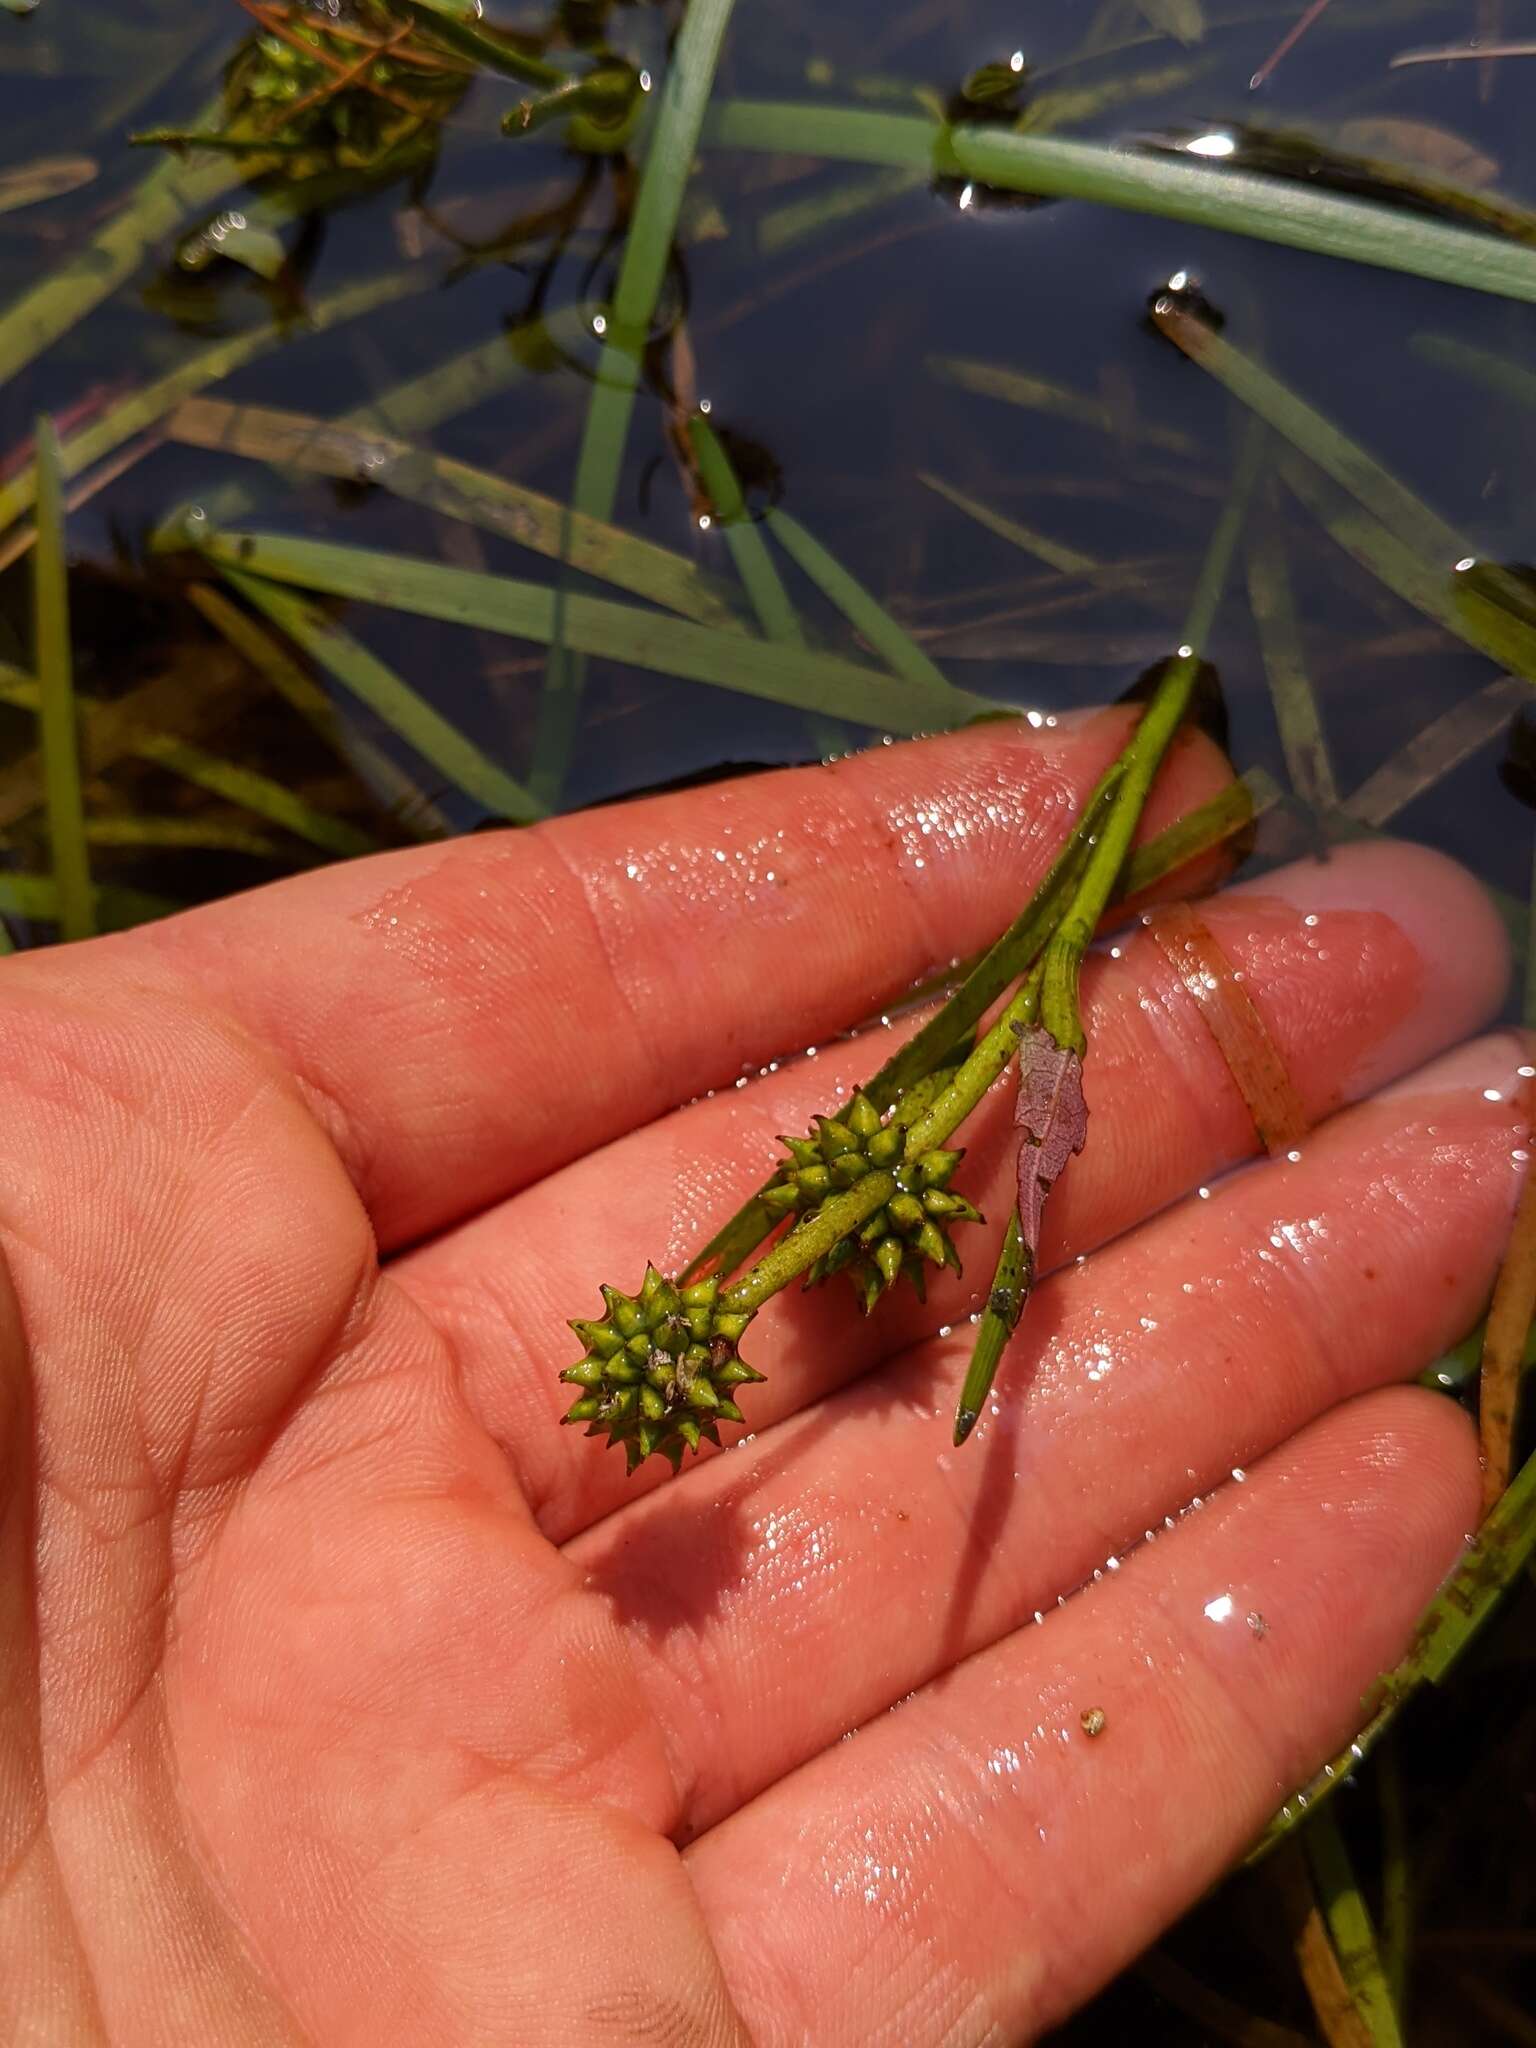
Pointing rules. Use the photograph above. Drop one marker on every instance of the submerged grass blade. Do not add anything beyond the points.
(864, 612)
(57, 727)
(158, 204)
(456, 758)
(1038, 394)
(670, 150)
(1496, 373)
(1415, 547)
(116, 909)
(1040, 545)
(1350, 1931)
(1290, 687)
(592, 625)
(151, 402)
(259, 794)
(393, 788)
(1432, 753)
(459, 491)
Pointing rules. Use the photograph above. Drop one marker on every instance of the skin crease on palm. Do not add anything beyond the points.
(345, 1698)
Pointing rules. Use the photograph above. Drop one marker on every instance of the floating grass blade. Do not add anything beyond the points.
(533, 611)
(58, 734)
(456, 758)
(456, 489)
(400, 796)
(867, 616)
(1268, 209)
(670, 151)
(164, 199)
(1068, 560)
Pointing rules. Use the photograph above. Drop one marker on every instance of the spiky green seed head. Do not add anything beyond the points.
(660, 1368)
(912, 1230)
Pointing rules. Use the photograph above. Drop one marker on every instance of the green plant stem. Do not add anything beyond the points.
(992, 1052)
(1396, 1875)
(796, 1253)
(1351, 1932)
(1140, 762)
(1006, 1296)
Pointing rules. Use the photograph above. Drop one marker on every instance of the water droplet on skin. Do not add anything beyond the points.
(1219, 1609)
(1493, 1095)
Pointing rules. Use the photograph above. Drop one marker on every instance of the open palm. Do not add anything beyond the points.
(344, 1698)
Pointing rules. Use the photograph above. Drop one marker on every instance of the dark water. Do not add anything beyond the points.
(816, 342)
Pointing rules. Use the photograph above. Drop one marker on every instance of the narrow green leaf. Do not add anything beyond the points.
(170, 192)
(151, 402)
(57, 732)
(1290, 687)
(796, 221)
(1184, 20)
(1494, 372)
(1269, 209)
(456, 489)
(1351, 1931)
(456, 758)
(48, 177)
(36, 898)
(1439, 747)
(592, 625)
(776, 616)
(392, 787)
(864, 612)
(1040, 545)
(215, 835)
(672, 144)
(1038, 394)
(258, 793)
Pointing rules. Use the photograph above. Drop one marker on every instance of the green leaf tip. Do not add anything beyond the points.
(660, 1368)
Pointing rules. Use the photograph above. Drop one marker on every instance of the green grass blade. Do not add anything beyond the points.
(1040, 545)
(671, 146)
(534, 611)
(1488, 627)
(205, 835)
(770, 601)
(389, 783)
(1268, 209)
(1038, 394)
(1298, 215)
(57, 728)
(410, 408)
(1439, 747)
(1497, 1555)
(36, 898)
(456, 758)
(1300, 723)
(1184, 20)
(863, 611)
(1351, 1932)
(151, 402)
(48, 177)
(1422, 551)
(798, 219)
(163, 199)
(1494, 372)
(256, 793)
(456, 489)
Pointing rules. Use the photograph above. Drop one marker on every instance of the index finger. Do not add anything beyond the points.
(468, 1017)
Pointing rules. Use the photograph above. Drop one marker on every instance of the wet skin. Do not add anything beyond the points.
(344, 1697)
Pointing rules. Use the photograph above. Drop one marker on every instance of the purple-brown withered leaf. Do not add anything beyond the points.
(1052, 1120)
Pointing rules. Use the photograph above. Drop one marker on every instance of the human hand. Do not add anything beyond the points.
(345, 1698)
